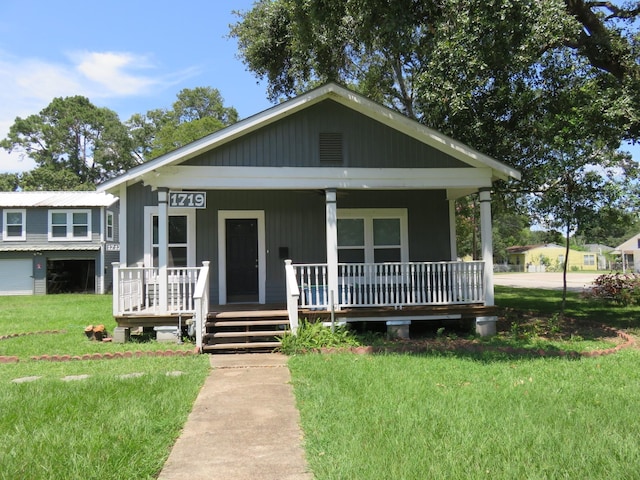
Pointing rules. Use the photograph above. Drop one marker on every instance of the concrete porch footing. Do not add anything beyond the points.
(486, 326)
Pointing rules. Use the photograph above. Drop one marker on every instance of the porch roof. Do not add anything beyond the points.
(339, 94)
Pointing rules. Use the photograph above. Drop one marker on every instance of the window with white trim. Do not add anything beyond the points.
(589, 259)
(69, 225)
(181, 236)
(110, 226)
(14, 226)
(372, 236)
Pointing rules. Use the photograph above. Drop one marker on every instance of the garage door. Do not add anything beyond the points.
(15, 277)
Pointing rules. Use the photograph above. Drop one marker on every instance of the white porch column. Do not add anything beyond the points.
(332, 244)
(453, 234)
(122, 224)
(486, 325)
(163, 248)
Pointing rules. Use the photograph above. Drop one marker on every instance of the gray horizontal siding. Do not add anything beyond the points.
(295, 220)
(294, 142)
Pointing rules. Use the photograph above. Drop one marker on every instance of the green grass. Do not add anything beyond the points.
(107, 426)
(67, 314)
(459, 415)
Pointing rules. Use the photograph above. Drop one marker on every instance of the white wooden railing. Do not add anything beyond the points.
(137, 290)
(392, 284)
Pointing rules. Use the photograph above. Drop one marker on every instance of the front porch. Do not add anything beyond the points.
(391, 292)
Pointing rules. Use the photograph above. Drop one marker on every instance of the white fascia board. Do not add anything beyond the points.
(288, 178)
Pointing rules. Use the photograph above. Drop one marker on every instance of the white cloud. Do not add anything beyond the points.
(110, 73)
(29, 85)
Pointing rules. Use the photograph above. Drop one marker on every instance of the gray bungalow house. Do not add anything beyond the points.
(54, 242)
(327, 203)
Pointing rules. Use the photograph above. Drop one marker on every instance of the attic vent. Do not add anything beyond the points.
(331, 147)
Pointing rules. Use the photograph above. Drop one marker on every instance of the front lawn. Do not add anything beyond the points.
(457, 414)
(87, 419)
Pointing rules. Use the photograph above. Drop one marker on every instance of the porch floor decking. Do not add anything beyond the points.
(256, 311)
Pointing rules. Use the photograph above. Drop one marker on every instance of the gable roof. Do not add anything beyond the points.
(630, 244)
(56, 199)
(339, 94)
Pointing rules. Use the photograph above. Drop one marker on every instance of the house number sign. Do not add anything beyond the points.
(188, 199)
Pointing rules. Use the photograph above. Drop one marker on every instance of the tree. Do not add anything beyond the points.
(196, 113)
(550, 87)
(9, 182)
(436, 61)
(72, 135)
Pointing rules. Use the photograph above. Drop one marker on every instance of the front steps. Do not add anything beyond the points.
(244, 331)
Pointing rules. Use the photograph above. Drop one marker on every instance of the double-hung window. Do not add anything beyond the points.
(181, 235)
(69, 225)
(14, 225)
(372, 235)
(110, 227)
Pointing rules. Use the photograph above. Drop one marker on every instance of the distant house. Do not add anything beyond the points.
(550, 257)
(629, 252)
(53, 242)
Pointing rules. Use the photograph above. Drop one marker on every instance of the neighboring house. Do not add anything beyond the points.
(356, 199)
(629, 252)
(551, 257)
(53, 242)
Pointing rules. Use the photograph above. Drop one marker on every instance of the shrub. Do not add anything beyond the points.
(622, 288)
(314, 335)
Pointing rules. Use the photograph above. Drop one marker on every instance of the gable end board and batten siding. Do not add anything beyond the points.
(296, 141)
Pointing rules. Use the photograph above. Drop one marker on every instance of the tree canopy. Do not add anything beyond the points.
(77, 145)
(196, 113)
(71, 139)
(551, 87)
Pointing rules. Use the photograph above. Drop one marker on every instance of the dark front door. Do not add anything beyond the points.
(242, 259)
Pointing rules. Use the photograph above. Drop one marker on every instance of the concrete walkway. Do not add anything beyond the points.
(244, 424)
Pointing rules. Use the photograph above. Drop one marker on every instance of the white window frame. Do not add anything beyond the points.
(110, 228)
(69, 226)
(190, 213)
(368, 215)
(589, 259)
(23, 234)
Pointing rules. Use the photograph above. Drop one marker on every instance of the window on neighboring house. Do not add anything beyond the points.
(14, 225)
(372, 236)
(69, 224)
(589, 259)
(110, 227)
(560, 259)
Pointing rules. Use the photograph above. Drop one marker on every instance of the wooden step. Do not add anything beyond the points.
(253, 333)
(247, 323)
(240, 346)
(250, 314)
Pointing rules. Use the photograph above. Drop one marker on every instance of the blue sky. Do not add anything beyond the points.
(130, 56)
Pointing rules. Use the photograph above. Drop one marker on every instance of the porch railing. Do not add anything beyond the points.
(392, 284)
(136, 290)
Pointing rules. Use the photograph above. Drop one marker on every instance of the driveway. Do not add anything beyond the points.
(576, 282)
